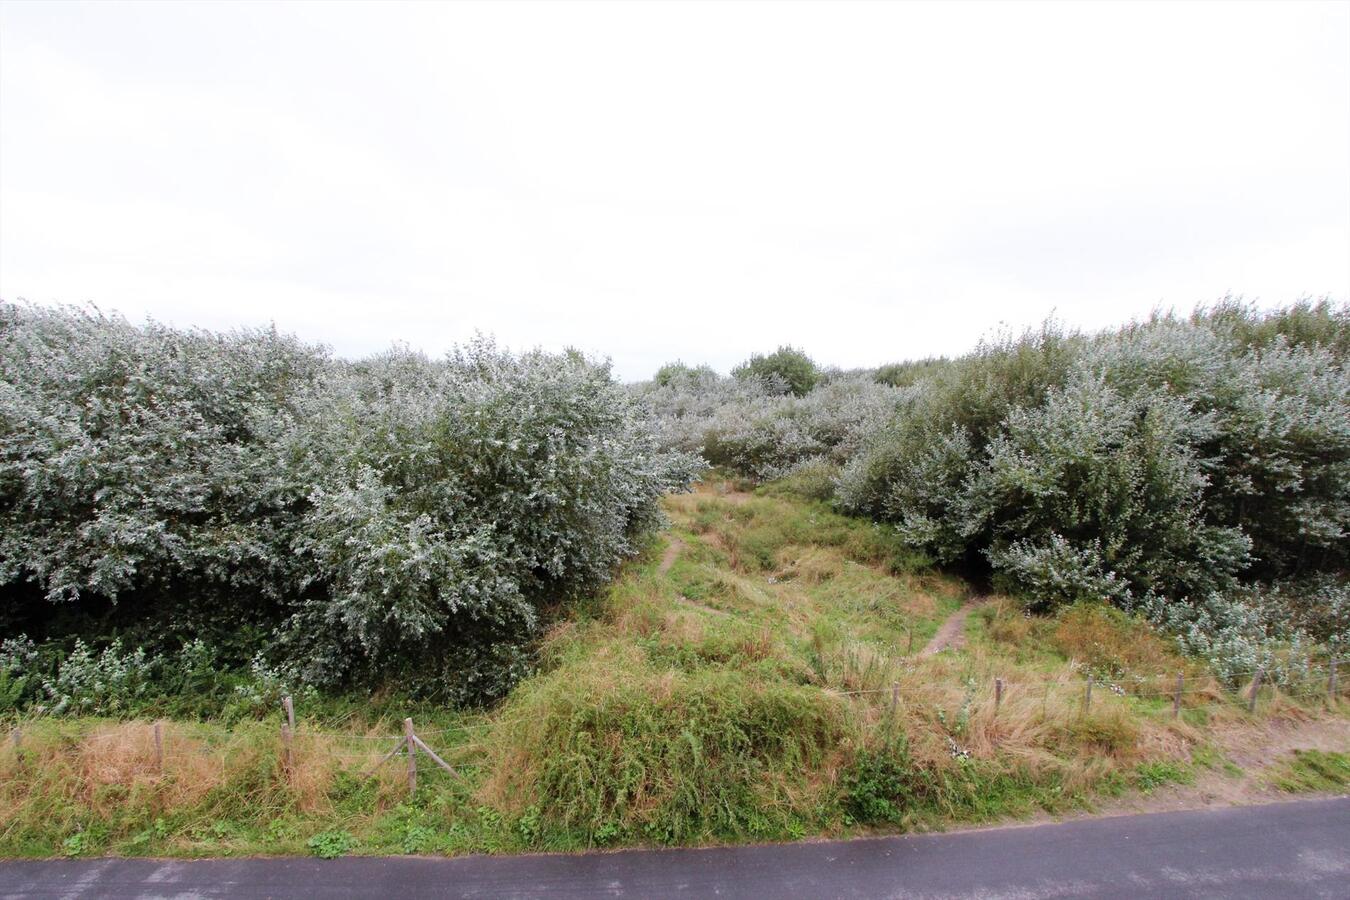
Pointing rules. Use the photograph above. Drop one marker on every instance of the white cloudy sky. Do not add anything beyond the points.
(650, 181)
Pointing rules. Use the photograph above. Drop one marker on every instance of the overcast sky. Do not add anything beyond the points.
(647, 181)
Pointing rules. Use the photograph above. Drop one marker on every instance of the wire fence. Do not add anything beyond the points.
(410, 745)
(1244, 687)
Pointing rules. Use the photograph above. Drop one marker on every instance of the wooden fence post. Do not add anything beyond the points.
(998, 694)
(895, 698)
(159, 748)
(17, 737)
(434, 757)
(411, 740)
(290, 711)
(911, 641)
(1176, 699)
(402, 742)
(1331, 682)
(1087, 697)
(1256, 686)
(287, 757)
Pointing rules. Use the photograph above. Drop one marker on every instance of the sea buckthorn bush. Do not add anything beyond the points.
(1174, 466)
(756, 428)
(396, 516)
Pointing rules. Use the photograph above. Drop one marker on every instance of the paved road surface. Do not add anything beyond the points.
(1299, 849)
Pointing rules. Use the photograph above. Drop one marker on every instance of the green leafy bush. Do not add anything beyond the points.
(98, 683)
(331, 844)
(878, 786)
(18, 681)
(788, 369)
(905, 374)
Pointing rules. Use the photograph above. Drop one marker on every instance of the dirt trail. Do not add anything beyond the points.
(952, 634)
(672, 553)
(668, 559)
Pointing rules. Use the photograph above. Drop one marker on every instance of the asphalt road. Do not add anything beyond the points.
(1299, 849)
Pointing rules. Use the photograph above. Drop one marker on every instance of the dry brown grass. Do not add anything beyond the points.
(124, 754)
(110, 765)
(1106, 640)
(810, 565)
(1040, 727)
(111, 770)
(1007, 623)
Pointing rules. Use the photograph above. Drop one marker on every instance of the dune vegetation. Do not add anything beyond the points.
(1063, 572)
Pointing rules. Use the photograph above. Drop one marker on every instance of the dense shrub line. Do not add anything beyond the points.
(396, 516)
(756, 427)
(322, 522)
(1171, 457)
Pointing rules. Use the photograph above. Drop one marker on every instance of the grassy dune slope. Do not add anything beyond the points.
(755, 675)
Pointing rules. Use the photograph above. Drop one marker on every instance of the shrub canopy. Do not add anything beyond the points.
(1172, 458)
(747, 427)
(354, 519)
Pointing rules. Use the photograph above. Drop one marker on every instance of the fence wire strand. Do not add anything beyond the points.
(1227, 689)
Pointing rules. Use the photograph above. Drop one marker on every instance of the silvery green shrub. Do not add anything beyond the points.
(684, 400)
(449, 500)
(1248, 628)
(1318, 606)
(1270, 430)
(138, 459)
(398, 516)
(1114, 477)
(756, 428)
(1161, 466)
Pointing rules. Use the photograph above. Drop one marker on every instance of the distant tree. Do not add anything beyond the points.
(678, 372)
(792, 368)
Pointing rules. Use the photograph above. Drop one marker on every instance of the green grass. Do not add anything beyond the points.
(1313, 770)
(1152, 775)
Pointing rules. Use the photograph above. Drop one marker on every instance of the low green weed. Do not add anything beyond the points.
(1150, 776)
(331, 844)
